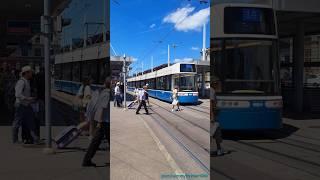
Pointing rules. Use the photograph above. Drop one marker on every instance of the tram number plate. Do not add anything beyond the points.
(257, 104)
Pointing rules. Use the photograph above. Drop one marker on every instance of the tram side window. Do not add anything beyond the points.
(94, 71)
(67, 71)
(57, 71)
(160, 83)
(167, 83)
(89, 69)
(151, 83)
(85, 70)
(104, 66)
(76, 71)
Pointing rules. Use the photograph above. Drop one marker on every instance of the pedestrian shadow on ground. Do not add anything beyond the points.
(75, 149)
(284, 132)
(70, 150)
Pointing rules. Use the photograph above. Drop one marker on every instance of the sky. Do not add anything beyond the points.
(145, 28)
(81, 11)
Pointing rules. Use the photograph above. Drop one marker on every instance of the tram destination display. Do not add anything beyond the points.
(248, 20)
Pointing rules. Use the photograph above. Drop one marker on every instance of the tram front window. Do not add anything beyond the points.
(246, 66)
(185, 83)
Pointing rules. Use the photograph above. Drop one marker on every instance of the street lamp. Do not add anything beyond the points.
(124, 81)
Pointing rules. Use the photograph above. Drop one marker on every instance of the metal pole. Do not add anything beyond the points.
(124, 82)
(204, 43)
(47, 72)
(142, 67)
(104, 22)
(151, 63)
(168, 55)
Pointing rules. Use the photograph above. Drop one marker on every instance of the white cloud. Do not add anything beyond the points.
(183, 60)
(152, 26)
(195, 48)
(134, 59)
(185, 19)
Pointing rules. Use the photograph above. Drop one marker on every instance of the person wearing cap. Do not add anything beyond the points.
(99, 112)
(24, 115)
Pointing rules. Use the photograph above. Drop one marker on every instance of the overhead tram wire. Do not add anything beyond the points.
(165, 36)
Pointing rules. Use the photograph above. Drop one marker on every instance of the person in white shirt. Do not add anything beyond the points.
(98, 111)
(142, 98)
(175, 101)
(85, 94)
(117, 95)
(24, 115)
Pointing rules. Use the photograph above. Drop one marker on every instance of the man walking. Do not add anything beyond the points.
(24, 115)
(117, 96)
(215, 127)
(101, 116)
(142, 98)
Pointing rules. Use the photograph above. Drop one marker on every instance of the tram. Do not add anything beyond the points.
(71, 68)
(245, 66)
(161, 83)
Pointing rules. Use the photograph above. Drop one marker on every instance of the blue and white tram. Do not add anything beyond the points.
(245, 66)
(71, 68)
(162, 82)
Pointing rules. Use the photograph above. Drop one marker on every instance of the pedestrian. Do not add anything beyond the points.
(84, 94)
(121, 87)
(215, 126)
(40, 86)
(142, 98)
(175, 100)
(117, 93)
(100, 114)
(135, 97)
(147, 95)
(23, 111)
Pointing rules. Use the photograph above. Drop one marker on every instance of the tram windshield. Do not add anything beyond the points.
(246, 66)
(185, 83)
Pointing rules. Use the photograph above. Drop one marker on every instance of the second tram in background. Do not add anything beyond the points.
(161, 82)
(245, 66)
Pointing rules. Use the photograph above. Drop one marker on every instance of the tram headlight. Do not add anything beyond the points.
(274, 104)
(233, 104)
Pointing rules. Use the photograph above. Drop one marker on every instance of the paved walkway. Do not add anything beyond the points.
(135, 153)
(21, 162)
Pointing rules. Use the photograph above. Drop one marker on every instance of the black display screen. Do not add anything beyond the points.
(247, 20)
(187, 68)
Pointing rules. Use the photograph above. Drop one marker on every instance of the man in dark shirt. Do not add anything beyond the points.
(215, 127)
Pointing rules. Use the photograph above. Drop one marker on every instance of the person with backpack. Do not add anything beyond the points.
(24, 115)
(98, 111)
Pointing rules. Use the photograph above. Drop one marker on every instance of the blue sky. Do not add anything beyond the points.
(81, 11)
(144, 28)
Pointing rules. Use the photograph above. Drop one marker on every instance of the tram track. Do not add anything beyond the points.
(159, 116)
(212, 169)
(189, 121)
(293, 143)
(291, 165)
(180, 143)
(198, 110)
